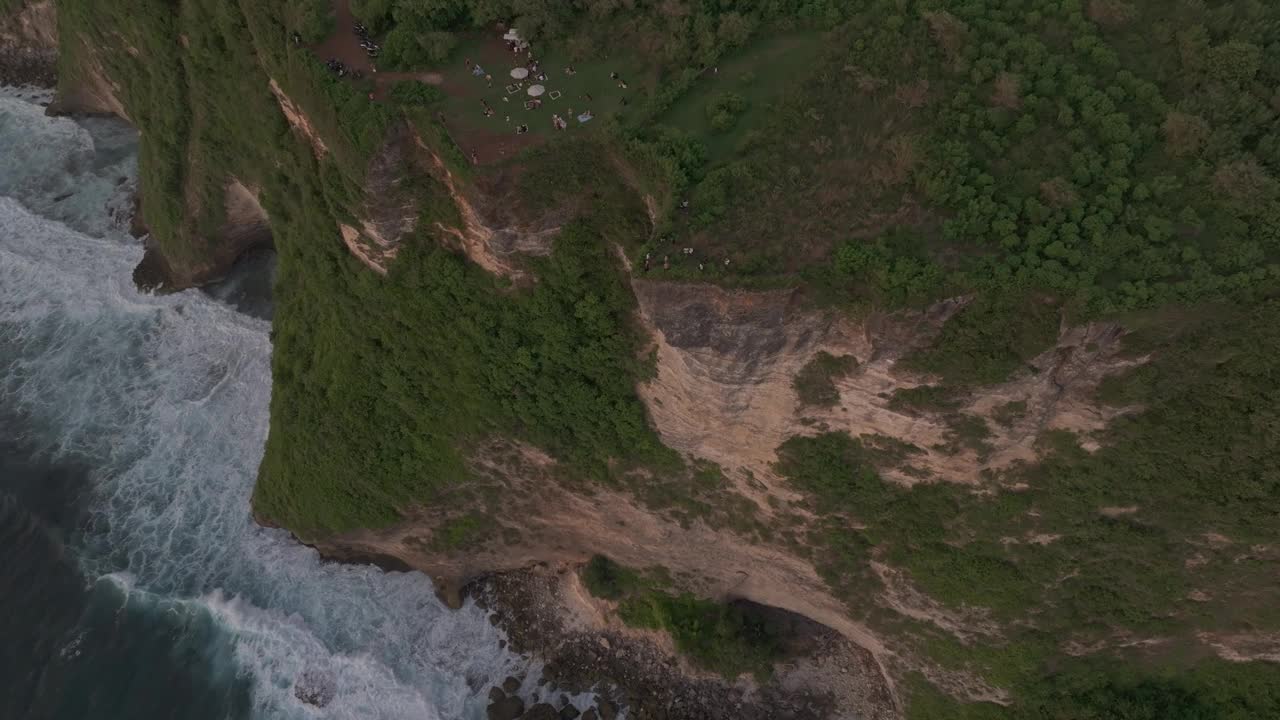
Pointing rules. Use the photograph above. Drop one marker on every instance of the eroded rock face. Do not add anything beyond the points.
(29, 45)
(390, 209)
(491, 236)
(727, 361)
(299, 119)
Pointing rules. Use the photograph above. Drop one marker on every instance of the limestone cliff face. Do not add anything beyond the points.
(727, 361)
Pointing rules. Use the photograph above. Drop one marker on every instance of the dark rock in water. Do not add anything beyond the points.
(569, 712)
(542, 711)
(496, 694)
(590, 714)
(508, 708)
(449, 593)
(510, 685)
(152, 274)
(314, 687)
(564, 699)
(608, 710)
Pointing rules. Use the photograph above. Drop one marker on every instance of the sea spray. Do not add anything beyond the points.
(164, 400)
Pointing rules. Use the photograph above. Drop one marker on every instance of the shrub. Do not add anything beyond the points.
(724, 109)
(815, 383)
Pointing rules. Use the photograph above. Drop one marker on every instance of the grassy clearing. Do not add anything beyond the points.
(758, 74)
(469, 94)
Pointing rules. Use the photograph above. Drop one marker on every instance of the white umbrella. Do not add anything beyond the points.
(519, 73)
(536, 90)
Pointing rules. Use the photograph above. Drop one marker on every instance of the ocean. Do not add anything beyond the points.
(135, 583)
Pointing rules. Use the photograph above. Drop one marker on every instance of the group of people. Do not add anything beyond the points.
(477, 71)
(340, 69)
(535, 73)
(366, 42)
(686, 251)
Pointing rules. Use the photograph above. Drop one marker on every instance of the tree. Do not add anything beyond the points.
(1234, 61)
(1184, 134)
(734, 30)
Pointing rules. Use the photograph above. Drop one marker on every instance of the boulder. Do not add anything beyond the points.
(510, 685)
(316, 688)
(542, 711)
(508, 708)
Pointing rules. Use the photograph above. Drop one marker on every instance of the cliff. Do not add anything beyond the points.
(724, 402)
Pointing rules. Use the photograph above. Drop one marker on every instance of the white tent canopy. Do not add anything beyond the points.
(536, 90)
(512, 34)
(520, 73)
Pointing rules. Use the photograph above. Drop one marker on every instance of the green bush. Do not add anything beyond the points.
(721, 638)
(724, 109)
(988, 340)
(415, 93)
(607, 579)
(815, 383)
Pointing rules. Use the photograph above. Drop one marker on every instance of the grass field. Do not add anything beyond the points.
(759, 74)
(467, 94)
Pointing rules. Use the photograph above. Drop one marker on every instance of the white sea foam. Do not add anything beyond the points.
(166, 398)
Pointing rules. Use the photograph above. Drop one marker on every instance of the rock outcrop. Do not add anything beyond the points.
(245, 228)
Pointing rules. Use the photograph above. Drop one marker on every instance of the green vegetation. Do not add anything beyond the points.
(989, 340)
(1119, 163)
(609, 580)
(1047, 159)
(411, 92)
(929, 398)
(728, 639)
(313, 19)
(1197, 461)
(555, 366)
(815, 383)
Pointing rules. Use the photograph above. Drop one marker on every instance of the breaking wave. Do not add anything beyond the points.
(164, 399)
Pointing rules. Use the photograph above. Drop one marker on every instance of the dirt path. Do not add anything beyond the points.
(344, 46)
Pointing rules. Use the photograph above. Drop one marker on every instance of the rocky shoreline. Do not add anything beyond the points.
(545, 614)
(21, 66)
